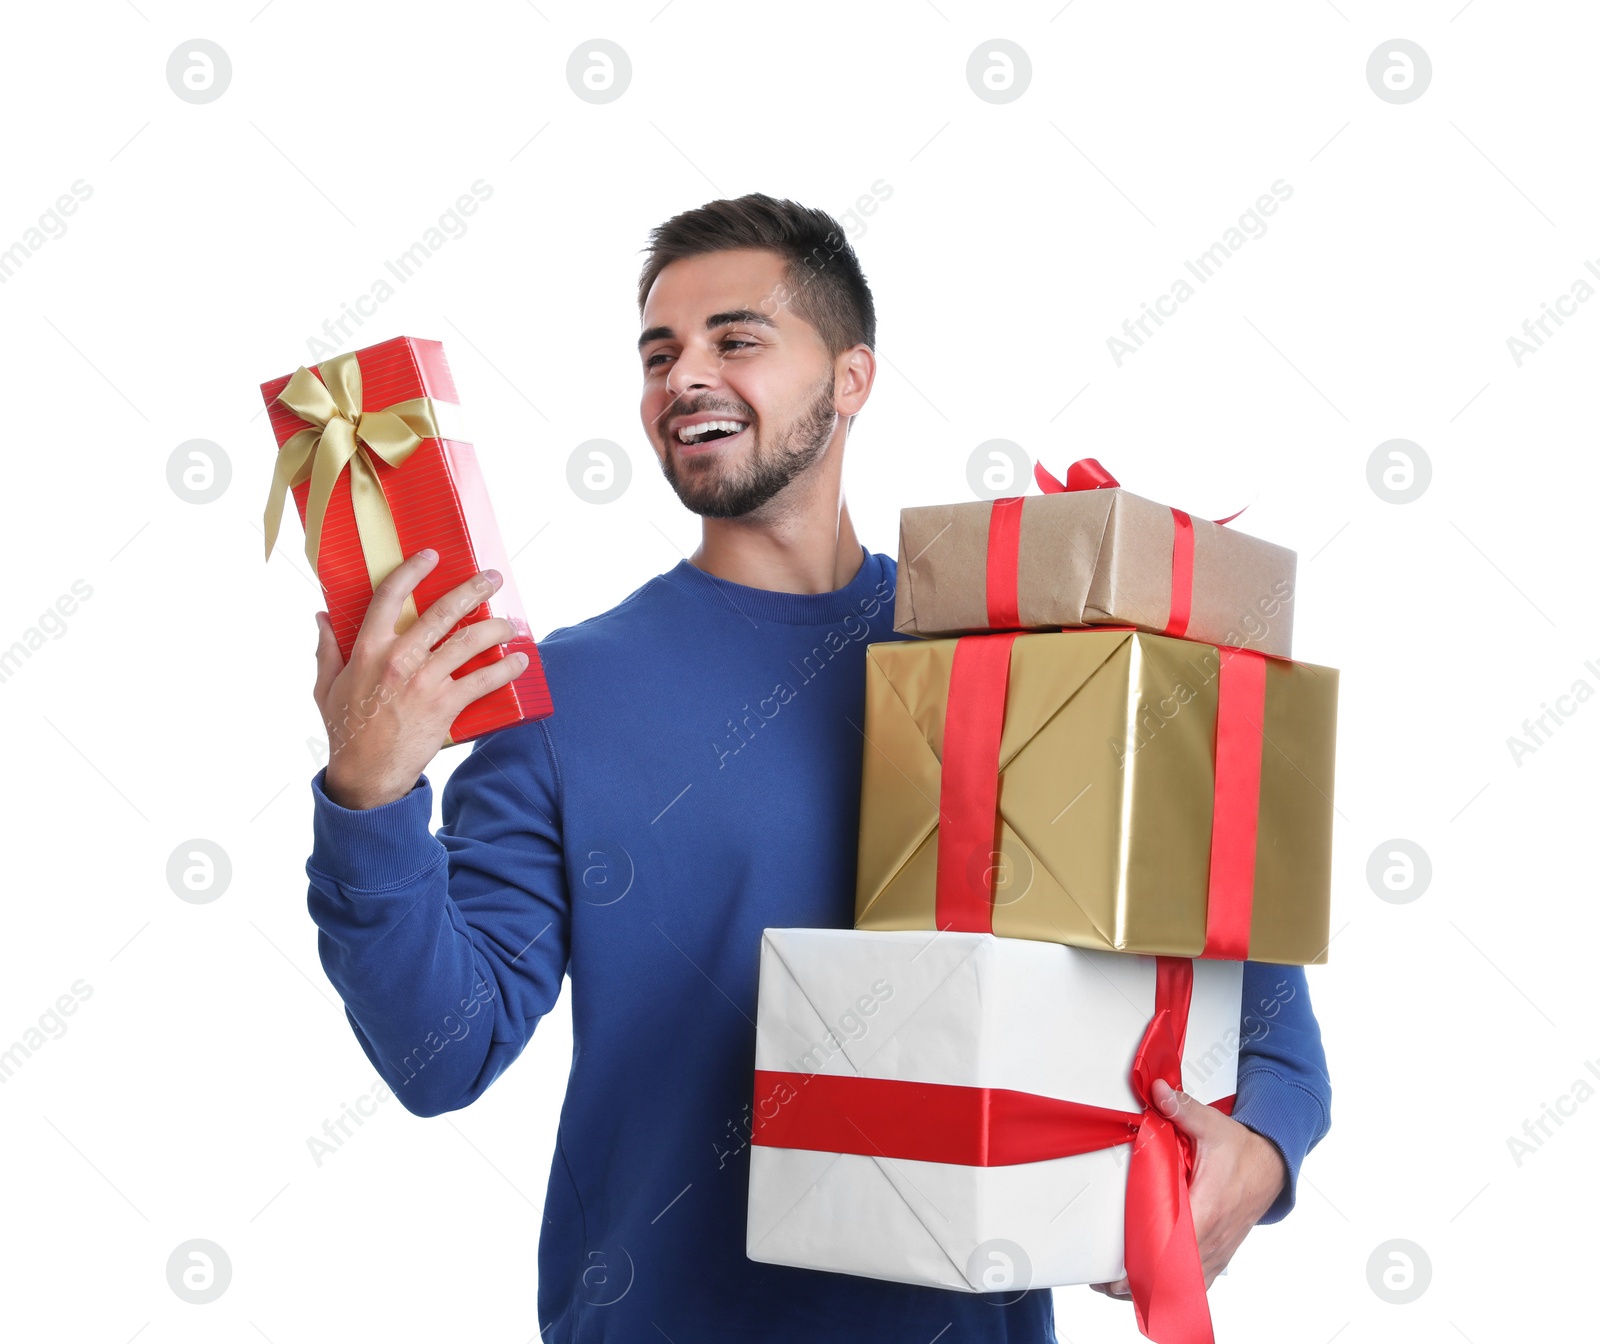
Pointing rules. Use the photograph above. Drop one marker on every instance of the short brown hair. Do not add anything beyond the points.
(824, 279)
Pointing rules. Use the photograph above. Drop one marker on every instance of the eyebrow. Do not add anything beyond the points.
(727, 319)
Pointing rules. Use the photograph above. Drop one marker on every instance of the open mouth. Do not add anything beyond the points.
(697, 438)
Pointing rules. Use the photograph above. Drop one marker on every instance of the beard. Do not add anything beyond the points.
(714, 488)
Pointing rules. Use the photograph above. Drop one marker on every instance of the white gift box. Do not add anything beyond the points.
(976, 1011)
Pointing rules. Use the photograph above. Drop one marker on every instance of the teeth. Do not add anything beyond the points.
(694, 432)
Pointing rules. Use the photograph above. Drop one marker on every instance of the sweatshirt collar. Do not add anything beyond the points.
(789, 608)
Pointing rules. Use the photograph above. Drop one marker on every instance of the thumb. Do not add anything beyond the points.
(1194, 1118)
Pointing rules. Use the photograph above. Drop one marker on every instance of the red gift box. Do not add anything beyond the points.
(429, 493)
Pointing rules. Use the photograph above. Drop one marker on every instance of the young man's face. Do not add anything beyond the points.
(722, 344)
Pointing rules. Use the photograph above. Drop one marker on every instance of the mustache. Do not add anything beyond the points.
(676, 410)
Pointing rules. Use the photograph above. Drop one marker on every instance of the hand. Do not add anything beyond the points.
(1237, 1176)
(388, 710)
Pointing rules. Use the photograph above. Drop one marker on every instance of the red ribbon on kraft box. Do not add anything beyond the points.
(1005, 535)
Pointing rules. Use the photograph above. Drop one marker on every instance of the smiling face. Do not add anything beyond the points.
(738, 389)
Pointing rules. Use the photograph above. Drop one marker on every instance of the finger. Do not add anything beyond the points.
(467, 643)
(1119, 1289)
(476, 685)
(435, 623)
(329, 660)
(377, 626)
(1192, 1117)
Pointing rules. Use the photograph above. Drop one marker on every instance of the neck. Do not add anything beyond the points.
(800, 542)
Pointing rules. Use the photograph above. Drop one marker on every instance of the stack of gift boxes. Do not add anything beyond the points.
(1092, 786)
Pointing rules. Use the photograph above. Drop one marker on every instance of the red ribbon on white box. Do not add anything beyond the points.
(991, 1126)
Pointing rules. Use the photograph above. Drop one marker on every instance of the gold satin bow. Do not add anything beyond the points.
(341, 433)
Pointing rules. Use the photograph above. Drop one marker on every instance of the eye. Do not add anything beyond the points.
(727, 343)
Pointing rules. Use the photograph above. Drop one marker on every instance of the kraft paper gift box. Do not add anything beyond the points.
(1103, 788)
(1089, 553)
(959, 1110)
(372, 448)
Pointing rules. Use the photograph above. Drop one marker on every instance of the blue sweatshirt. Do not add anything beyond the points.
(698, 782)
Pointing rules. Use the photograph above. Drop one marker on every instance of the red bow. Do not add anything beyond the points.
(1084, 474)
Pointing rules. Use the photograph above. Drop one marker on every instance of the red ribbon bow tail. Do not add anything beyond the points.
(1160, 1251)
(1162, 1257)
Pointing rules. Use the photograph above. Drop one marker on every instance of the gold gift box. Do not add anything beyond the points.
(1105, 794)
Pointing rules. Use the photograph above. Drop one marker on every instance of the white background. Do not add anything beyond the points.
(174, 703)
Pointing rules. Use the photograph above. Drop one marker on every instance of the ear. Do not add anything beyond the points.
(853, 373)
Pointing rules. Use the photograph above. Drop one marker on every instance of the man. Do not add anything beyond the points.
(698, 782)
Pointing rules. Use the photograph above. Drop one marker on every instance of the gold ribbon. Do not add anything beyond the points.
(339, 434)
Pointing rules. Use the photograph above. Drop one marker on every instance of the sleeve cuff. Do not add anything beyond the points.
(1287, 1116)
(373, 849)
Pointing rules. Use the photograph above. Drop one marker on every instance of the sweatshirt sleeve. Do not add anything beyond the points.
(1284, 1092)
(447, 949)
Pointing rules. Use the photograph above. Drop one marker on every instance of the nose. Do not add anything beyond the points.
(695, 366)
